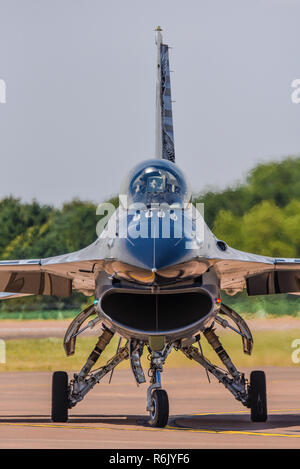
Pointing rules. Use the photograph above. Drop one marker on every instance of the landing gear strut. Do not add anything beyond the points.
(66, 396)
(252, 395)
(157, 398)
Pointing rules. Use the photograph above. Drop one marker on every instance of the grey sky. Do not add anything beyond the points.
(80, 79)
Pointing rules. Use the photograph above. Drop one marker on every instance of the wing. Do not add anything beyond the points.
(55, 275)
(260, 275)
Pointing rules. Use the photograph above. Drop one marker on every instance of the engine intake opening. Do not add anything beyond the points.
(156, 312)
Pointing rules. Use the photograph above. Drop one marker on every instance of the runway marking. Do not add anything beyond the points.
(79, 427)
(246, 412)
(167, 428)
(235, 432)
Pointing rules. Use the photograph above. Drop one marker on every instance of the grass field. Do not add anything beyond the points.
(271, 348)
(40, 314)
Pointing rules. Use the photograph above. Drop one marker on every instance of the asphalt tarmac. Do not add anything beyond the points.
(202, 415)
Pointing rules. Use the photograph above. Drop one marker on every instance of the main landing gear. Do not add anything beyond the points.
(251, 394)
(60, 400)
(258, 396)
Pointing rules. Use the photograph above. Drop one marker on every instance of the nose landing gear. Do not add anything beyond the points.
(157, 398)
(159, 411)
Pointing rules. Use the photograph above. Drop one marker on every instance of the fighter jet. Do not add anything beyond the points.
(156, 272)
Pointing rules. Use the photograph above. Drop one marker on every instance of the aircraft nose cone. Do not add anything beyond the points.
(155, 253)
(155, 242)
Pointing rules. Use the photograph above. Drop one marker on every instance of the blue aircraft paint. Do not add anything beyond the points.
(157, 238)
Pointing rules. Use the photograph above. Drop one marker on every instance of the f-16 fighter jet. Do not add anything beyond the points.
(156, 272)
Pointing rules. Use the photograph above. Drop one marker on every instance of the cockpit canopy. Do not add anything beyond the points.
(156, 182)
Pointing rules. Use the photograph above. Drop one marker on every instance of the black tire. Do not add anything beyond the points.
(258, 396)
(160, 413)
(60, 405)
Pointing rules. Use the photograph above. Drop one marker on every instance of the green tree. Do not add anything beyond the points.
(228, 228)
(277, 181)
(16, 217)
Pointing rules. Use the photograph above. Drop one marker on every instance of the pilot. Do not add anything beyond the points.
(156, 182)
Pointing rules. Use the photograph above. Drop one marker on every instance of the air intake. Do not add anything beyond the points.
(140, 313)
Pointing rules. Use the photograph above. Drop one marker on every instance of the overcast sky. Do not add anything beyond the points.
(80, 102)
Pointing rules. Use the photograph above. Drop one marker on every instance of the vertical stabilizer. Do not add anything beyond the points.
(164, 133)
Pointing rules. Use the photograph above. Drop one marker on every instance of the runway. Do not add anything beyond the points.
(44, 328)
(202, 415)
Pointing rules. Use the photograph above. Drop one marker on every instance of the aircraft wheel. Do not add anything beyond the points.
(258, 396)
(160, 408)
(60, 405)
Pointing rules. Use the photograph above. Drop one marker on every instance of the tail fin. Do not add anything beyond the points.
(164, 134)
